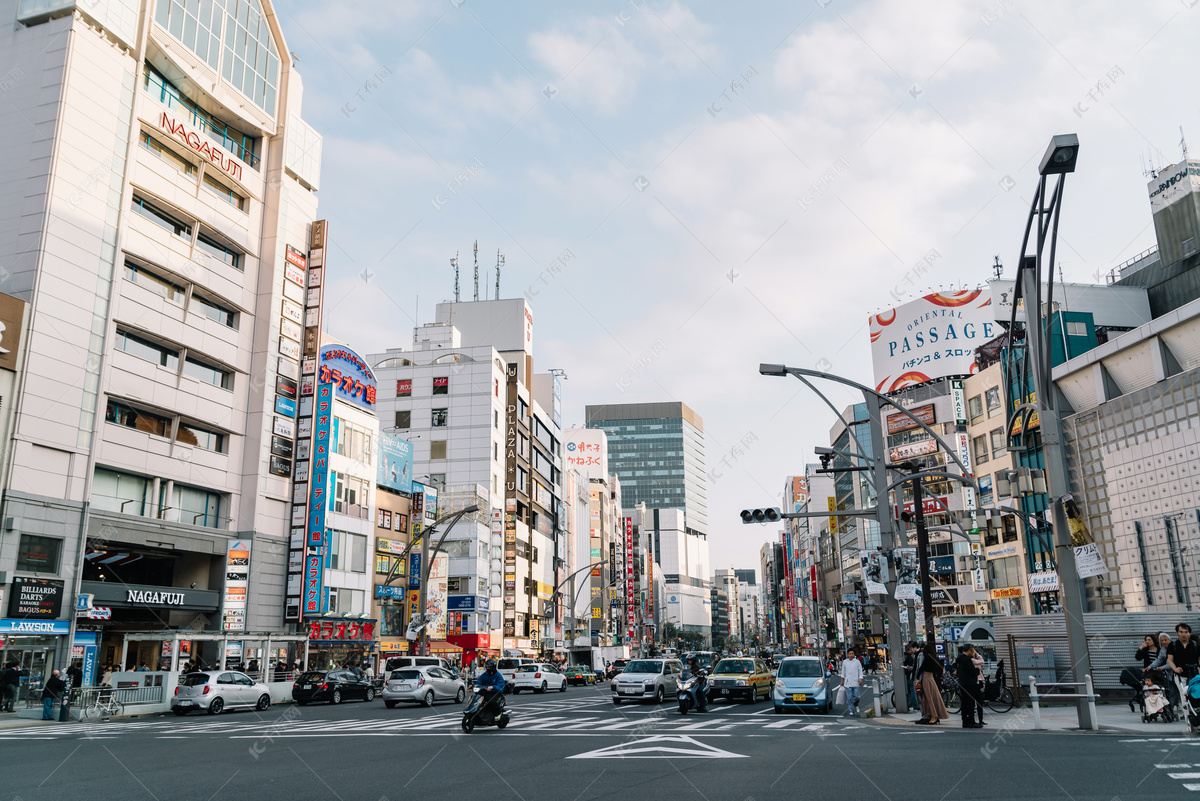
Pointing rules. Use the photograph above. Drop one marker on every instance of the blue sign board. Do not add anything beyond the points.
(389, 591)
(318, 487)
(285, 406)
(12, 625)
(350, 376)
(941, 565)
(393, 467)
(89, 642)
(414, 571)
(460, 603)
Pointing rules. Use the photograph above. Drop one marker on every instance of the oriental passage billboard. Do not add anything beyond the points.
(930, 338)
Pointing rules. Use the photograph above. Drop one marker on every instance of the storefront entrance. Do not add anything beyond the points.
(35, 658)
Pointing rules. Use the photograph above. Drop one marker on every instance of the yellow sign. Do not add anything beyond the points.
(1006, 592)
(833, 524)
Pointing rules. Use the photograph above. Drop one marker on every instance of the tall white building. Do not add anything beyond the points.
(483, 425)
(683, 557)
(157, 171)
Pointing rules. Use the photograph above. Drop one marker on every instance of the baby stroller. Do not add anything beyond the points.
(1155, 705)
(1133, 678)
(1190, 704)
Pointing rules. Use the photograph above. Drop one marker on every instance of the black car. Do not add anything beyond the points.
(333, 686)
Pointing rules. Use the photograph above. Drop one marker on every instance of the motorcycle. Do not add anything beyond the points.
(691, 690)
(485, 709)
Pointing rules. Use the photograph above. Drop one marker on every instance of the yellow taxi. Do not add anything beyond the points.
(740, 677)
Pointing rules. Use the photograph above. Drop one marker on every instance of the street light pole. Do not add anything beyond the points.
(423, 648)
(922, 554)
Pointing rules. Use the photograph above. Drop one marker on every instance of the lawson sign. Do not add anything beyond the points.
(10, 625)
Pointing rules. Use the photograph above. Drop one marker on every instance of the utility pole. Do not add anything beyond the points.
(922, 554)
(499, 264)
(454, 264)
(476, 269)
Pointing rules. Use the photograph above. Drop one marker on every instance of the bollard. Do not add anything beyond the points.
(1033, 695)
(875, 698)
(1092, 702)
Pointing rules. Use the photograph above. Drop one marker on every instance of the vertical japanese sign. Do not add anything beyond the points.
(630, 600)
(303, 291)
(237, 584)
(318, 501)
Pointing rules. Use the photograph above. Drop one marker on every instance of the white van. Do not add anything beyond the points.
(507, 666)
(399, 662)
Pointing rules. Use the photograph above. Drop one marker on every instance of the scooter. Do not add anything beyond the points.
(485, 709)
(691, 691)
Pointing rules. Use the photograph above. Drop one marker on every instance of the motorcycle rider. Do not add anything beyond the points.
(491, 681)
(693, 669)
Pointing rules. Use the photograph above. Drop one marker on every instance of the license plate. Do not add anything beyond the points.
(306, 687)
(184, 703)
(630, 692)
(724, 692)
(800, 697)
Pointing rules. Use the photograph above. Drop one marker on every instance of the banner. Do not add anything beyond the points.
(874, 571)
(908, 580)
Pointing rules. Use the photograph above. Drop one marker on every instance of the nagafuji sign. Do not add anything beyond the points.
(154, 597)
(214, 153)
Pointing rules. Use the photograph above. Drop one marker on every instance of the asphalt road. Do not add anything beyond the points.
(577, 746)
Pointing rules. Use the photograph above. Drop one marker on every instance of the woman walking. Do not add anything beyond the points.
(929, 673)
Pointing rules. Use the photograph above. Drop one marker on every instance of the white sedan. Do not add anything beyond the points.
(538, 677)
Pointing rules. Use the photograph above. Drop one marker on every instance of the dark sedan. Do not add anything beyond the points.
(333, 686)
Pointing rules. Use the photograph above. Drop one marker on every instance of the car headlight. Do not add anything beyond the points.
(742, 683)
(779, 685)
(818, 684)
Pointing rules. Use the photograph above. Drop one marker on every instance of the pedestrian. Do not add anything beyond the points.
(977, 658)
(10, 682)
(74, 675)
(968, 685)
(1148, 652)
(928, 672)
(852, 674)
(1183, 657)
(910, 662)
(53, 691)
(369, 673)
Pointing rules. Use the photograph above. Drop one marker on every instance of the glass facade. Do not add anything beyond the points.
(661, 463)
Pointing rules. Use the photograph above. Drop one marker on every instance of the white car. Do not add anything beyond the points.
(647, 680)
(423, 685)
(538, 677)
(212, 691)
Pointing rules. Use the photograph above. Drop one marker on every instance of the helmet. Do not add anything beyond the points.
(490, 665)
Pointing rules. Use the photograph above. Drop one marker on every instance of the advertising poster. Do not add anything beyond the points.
(929, 338)
(237, 583)
(394, 466)
(435, 597)
(908, 580)
(1088, 560)
(874, 571)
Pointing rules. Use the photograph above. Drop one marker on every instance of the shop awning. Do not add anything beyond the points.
(443, 647)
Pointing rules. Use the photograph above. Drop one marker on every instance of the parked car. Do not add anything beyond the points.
(399, 662)
(742, 678)
(579, 674)
(213, 691)
(539, 677)
(424, 685)
(647, 680)
(803, 682)
(333, 686)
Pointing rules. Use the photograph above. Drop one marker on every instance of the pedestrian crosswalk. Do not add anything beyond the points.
(1186, 772)
(530, 719)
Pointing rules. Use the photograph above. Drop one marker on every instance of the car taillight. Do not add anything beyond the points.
(537, 675)
(177, 691)
(421, 681)
(206, 689)
(324, 686)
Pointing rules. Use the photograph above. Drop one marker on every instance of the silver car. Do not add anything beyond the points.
(424, 685)
(213, 691)
(647, 680)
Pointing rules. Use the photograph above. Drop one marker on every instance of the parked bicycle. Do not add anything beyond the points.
(997, 696)
(98, 703)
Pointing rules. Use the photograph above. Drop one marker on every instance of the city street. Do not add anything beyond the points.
(577, 745)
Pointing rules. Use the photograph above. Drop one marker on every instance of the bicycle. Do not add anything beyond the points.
(104, 704)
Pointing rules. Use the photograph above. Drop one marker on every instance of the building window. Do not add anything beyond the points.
(981, 450)
(152, 145)
(120, 492)
(975, 407)
(985, 489)
(496, 420)
(350, 496)
(250, 61)
(439, 417)
(194, 506)
(1004, 572)
(224, 192)
(495, 451)
(437, 449)
(997, 435)
(438, 480)
(219, 251)
(1010, 528)
(349, 602)
(156, 284)
(198, 437)
(441, 386)
(347, 552)
(1076, 328)
(198, 27)
(993, 400)
(145, 349)
(122, 415)
(242, 145)
(215, 311)
(38, 554)
(207, 373)
(160, 218)
(404, 388)
(404, 419)
(351, 441)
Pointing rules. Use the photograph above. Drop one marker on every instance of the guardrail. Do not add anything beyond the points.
(1039, 697)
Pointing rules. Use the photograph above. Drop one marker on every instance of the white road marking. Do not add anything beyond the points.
(660, 747)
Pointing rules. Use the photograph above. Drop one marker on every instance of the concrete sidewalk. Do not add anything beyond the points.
(1056, 717)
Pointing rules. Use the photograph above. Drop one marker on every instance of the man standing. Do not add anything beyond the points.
(910, 662)
(11, 681)
(852, 674)
(51, 693)
(968, 685)
(1183, 658)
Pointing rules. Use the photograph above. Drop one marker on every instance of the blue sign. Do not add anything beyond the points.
(350, 376)
(460, 603)
(285, 406)
(393, 468)
(12, 625)
(88, 640)
(941, 565)
(414, 571)
(396, 593)
(314, 602)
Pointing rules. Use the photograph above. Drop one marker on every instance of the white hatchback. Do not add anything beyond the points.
(212, 691)
(538, 677)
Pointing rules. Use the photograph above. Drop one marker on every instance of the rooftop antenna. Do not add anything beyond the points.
(1182, 143)
(499, 264)
(454, 263)
(998, 268)
(476, 269)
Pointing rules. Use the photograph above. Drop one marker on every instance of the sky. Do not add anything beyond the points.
(685, 190)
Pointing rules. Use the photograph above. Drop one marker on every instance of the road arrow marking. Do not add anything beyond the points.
(660, 747)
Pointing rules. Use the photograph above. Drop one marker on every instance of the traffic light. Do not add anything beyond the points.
(771, 515)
